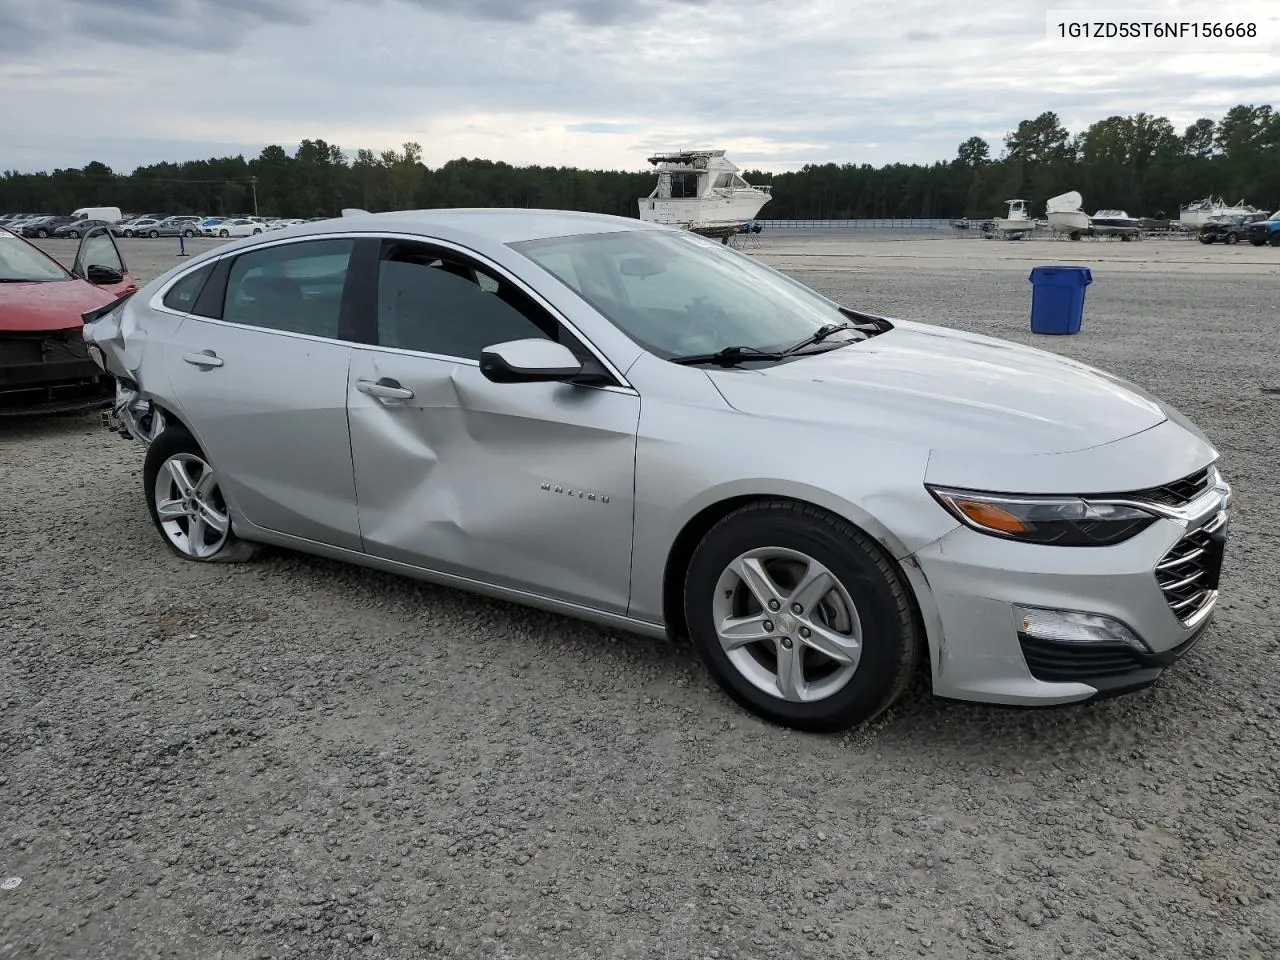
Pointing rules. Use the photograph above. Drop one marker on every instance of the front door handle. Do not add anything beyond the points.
(205, 358)
(386, 389)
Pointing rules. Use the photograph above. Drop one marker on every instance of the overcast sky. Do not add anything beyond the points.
(592, 83)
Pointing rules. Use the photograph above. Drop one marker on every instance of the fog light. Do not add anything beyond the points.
(1069, 626)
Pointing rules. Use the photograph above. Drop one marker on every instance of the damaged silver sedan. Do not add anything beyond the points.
(630, 424)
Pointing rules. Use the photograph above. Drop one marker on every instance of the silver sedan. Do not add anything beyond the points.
(634, 425)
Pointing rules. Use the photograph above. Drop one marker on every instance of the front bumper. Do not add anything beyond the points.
(47, 373)
(984, 654)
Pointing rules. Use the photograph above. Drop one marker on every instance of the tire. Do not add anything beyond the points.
(1258, 243)
(160, 484)
(866, 600)
(154, 234)
(1275, 239)
(188, 234)
(42, 233)
(256, 232)
(224, 233)
(128, 233)
(1231, 238)
(1206, 239)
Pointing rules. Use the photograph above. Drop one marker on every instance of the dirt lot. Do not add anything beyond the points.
(297, 758)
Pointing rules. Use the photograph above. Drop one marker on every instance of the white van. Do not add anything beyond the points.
(109, 214)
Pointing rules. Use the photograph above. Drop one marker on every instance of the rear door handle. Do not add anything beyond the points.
(386, 389)
(205, 358)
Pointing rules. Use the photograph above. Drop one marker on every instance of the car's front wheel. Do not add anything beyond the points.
(224, 233)
(73, 234)
(128, 233)
(42, 233)
(1231, 238)
(800, 617)
(188, 234)
(186, 502)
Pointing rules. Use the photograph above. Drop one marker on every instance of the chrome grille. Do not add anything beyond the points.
(1188, 573)
(1180, 492)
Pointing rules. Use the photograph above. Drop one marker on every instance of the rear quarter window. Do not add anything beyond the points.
(182, 295)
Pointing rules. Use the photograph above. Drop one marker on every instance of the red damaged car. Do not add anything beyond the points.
(44, 364)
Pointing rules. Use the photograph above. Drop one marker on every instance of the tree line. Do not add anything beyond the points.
(1138, 163)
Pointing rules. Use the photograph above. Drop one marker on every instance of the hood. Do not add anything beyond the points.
(947, 390)
(52, 305)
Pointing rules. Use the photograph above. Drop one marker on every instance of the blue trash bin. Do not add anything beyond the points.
(1057, 299)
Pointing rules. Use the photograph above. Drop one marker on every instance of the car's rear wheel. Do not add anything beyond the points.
(1230, 238)
(1206, 239)
(73, 234)
(42, 233)
(1275, 239)
(224, 233)
(188, 234)
(128, 233)
(1257, 243)
(800, 617)
(186, 502)
(154, 234)
(256, 231)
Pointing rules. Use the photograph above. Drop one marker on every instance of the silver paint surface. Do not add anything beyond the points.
(460, 483)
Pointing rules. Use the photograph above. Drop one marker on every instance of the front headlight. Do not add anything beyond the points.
(1057, 521)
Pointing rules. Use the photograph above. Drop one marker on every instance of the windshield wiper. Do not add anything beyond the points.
(817, 336)
(727, 356)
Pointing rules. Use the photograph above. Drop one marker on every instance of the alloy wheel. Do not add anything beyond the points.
(190, 507)
(787, 624)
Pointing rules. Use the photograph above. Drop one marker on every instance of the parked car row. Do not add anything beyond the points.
(153, 225)
(1229, 228)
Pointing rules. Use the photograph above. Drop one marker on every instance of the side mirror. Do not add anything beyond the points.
(103, 276)
(529, 361)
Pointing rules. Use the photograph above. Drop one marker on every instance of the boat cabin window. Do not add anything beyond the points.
(684, 186)
(724, 181)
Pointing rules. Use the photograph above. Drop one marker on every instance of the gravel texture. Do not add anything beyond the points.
(297, 758)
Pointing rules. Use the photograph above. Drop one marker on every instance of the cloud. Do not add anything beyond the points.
(596, 83)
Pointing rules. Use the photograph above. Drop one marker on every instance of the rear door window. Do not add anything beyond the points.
(294, 287)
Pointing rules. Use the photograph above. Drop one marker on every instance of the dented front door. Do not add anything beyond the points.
(522, 485)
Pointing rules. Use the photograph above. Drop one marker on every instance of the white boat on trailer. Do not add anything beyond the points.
(1201, 211)
(1116, 223)
(701, 191)
(1017, 224)
(1065, 216)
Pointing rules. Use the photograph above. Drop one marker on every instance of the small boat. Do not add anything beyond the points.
(701, 191)
(1115, 223)
(1017, 223)
(1201, 211)
(1065, 216)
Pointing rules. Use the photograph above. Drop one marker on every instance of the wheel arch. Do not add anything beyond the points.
(696, 527)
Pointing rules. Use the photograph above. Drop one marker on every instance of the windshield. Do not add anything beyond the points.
(1275, 216)
(22, 263)
(678, 294)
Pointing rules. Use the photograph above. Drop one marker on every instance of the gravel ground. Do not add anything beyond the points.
(297, 758)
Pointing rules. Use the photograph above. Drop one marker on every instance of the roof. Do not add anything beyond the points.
(495, 224)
